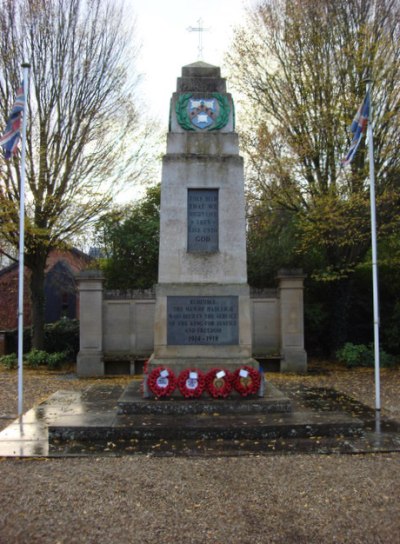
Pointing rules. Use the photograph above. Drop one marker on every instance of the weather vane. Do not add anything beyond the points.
(200, 29)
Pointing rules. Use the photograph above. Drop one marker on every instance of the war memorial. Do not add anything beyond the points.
(202, 315)
(203, 390)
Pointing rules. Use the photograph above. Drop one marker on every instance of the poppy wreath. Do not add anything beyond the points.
(246, 380)
(191, 383)
(219, 382)
(161, 381)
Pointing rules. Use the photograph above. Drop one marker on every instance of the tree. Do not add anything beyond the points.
(300, 67)
(267, 254)
(82, 122)
(128, 239)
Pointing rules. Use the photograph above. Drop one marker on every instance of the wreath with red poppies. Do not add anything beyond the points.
(219, 382)
(191, 383)
(162, 381)
(246, 380)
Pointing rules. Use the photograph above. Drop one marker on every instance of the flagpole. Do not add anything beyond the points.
(374, 253)
(26, 68)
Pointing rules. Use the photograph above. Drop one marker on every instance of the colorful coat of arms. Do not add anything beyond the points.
(203, 113)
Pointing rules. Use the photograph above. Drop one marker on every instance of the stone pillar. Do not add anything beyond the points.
(202, 315)
(90, 357)
(291, 287)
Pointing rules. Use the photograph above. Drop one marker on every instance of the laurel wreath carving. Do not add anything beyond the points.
(224, 110)
(181, 112)
(183, 117)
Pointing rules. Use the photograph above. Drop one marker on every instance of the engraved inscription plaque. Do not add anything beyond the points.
(202, 220)
(202, 321)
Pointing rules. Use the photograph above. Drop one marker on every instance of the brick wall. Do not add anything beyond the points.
(9, 286)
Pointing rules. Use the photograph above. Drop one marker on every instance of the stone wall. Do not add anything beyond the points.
(117, 328)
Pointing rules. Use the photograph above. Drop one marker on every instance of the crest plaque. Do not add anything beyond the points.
(203, 112)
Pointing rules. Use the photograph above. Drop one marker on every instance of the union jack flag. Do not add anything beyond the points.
(358, 128)
(9, 140)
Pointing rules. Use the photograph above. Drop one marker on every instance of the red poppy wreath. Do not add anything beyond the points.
(191, 383)
(218, 382)
(162, 381)
(246, 380)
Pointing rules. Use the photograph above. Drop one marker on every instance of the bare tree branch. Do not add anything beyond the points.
(83, 118)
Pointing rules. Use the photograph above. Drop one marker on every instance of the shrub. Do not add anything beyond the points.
(386, 359)
(354, 355)
(12, 340)
(36, 357)
(9, 361)
(62, 336)
(391, 330)
(55, 360)
(362, 355)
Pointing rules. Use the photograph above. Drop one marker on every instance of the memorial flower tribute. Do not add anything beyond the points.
(246, 380)
(219, 382)
(191, 383)
(162, 381)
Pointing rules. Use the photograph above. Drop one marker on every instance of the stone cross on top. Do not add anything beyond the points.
(200, 29)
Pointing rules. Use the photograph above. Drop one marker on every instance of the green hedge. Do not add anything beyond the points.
(61, 336)
(34, 359)
(363, 355)
(38, 357)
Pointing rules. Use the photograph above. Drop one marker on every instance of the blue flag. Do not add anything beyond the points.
(358, 128)
(12, 134)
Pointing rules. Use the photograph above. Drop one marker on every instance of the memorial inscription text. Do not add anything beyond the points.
(202, 320)
(203, 220)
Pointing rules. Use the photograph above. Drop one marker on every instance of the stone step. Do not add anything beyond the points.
(273, 401)
(157, 427)
(116, 415)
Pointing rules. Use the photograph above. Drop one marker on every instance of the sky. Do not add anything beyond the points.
(167, 45)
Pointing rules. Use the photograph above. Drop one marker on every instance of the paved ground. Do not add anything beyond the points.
(144, 499)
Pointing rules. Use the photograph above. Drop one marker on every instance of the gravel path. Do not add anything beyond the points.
(281, 499)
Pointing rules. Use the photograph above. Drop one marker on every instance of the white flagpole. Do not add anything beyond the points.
(374, 251)
(22, 247)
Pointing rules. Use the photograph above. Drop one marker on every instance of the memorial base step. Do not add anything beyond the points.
(273, 400)
(177, 419)
(177, 364)
(205, 427)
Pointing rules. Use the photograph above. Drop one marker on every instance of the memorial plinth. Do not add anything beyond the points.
(202, 316)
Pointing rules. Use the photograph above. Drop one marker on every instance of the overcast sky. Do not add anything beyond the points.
(167, 45)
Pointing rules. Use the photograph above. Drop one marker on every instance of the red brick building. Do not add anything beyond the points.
(60, 289)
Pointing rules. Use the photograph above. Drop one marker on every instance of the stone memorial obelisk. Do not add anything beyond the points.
(202, 316)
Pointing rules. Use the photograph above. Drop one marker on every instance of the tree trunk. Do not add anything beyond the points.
(37, 302)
